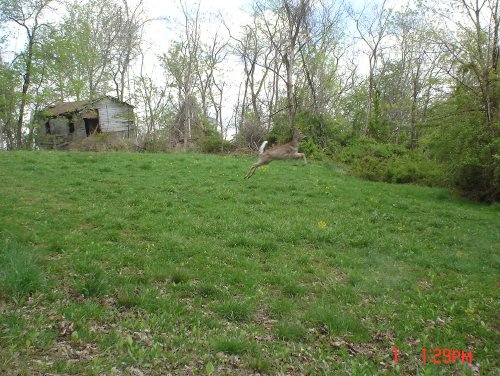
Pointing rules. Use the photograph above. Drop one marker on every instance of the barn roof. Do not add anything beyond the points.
(69, 107)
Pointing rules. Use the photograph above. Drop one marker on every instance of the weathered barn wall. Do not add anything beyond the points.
(59, 126)
(69, 122)
(115, 117)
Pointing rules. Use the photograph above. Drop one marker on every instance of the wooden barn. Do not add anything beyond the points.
(68, 122)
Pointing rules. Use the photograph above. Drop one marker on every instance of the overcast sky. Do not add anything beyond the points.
(167, 23)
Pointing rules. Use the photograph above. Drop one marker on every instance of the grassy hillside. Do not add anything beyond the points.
(130, 263)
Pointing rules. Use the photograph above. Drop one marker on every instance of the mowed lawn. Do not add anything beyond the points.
(139, 264)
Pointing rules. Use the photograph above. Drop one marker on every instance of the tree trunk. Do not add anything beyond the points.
(26, 85)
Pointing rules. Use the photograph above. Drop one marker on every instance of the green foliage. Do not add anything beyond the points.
(379, 128)
(157, 142)
(354, 108)
(9, 102)
(467, 146)
(281, 133)
(390, 163)
(20, 273)
(319, 129)
(214, 144)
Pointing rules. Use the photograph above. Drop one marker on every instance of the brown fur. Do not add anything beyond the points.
(286, 151)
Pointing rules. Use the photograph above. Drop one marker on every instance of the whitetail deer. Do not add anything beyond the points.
(286, 151)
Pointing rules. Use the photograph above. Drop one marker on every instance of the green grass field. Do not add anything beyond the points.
(173, 264)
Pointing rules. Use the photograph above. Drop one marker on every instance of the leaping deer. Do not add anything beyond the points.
(286, 151)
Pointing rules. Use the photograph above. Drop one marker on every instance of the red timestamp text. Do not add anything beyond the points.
(440, 356)
(445, 356)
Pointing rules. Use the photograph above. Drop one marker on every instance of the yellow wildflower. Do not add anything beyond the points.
(322, 224)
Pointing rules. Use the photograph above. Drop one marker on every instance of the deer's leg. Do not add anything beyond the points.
(250, 172)
(254, 167)
(300, 155)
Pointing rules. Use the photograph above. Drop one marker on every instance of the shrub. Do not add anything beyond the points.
(103, 142)
(312, 151)
(477, 177)
(467, 144)
(319, 129)
(281, 133)
(390, 163)
(369, 168)
(157, 142)
(251, 133)
(214, 144)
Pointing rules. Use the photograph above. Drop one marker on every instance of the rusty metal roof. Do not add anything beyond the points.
(67, 107)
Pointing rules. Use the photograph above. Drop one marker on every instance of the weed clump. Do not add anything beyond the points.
(234, 311)
(232, 345)
(20, 274)
(290, 331)
(92, 285)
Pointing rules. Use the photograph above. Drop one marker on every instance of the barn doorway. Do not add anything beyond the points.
(92, 126)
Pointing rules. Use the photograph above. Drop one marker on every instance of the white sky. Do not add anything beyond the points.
(168, 25)
(168, 21)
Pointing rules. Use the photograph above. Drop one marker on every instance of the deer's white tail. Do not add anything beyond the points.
(262, 147)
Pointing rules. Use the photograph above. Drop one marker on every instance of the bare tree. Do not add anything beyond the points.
(321, 58)
(409, 72)
(130, 23)
(212, 55)
(153, 97)
(286, 29)
(191, 46)
(255, 52)
(372, 28)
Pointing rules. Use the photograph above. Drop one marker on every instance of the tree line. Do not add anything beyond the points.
(399, 92)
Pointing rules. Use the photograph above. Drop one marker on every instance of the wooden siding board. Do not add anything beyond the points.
(113, 116)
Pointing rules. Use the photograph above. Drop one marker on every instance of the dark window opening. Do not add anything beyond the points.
(47, 127)
(92, 126)
(71, 128)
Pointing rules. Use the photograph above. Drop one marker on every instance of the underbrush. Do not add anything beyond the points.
(103, 142)
(390, 163)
